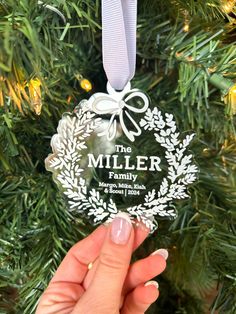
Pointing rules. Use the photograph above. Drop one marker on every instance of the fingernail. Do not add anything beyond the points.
(162, 252)
(152, 283)
(120, 228)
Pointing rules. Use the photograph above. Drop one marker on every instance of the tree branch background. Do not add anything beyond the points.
(186, 62)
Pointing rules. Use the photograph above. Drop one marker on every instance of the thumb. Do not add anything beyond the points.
(115, 255)
(114, 261)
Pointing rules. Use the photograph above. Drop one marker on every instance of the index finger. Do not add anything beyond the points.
(74, 266)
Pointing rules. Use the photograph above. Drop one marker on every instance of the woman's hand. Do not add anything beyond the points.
(112, 285)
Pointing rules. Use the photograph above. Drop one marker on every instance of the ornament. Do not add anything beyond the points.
(98, 170)
(227, 6)
(186, 21)
(186, 27)
(19, 91)
(85, 84)
(34, 86)
(14, 92)
(230, 100)
(228, 90)
(69, 99)
(1, 97)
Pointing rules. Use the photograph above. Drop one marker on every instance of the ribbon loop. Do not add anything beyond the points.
(119, 20)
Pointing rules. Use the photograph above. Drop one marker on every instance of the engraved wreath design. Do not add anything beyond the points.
(70, 141)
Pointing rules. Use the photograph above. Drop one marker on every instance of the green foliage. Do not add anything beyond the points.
(174, 67)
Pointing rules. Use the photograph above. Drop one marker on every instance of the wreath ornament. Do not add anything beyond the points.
(70, 143)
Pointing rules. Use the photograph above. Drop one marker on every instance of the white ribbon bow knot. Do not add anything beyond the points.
(114, 104)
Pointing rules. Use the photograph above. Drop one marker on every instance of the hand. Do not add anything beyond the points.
(112, 285)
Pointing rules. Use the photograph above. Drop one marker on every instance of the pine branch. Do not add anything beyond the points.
(173, 66)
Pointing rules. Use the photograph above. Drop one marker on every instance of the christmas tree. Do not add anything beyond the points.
(50, 59)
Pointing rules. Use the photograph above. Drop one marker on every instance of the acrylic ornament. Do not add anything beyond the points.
(96, 169)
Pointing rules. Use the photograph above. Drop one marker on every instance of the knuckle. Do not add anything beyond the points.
(112, 261)
(139, 276)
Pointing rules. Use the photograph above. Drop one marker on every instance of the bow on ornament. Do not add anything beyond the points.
(115, 104)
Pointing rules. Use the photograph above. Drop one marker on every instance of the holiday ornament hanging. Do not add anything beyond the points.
(71, 158)
(94, 160)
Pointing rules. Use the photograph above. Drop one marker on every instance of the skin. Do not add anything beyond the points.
(111, 286)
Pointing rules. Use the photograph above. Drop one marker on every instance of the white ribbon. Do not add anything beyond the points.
(115, 103)
(119, 22)
(119, 19)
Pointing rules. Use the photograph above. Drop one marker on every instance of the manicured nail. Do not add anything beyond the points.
(152, 283)
(162, 252)
(120, 228)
